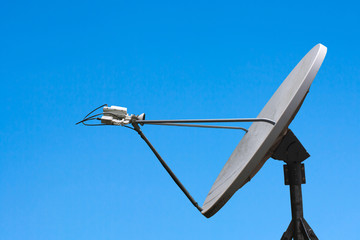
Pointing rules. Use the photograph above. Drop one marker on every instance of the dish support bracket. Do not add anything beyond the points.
(293, 153)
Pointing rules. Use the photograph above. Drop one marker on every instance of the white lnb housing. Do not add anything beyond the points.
(107, 120)
(120, 112)
(115, 115)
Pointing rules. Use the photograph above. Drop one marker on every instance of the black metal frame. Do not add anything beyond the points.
(292, 152)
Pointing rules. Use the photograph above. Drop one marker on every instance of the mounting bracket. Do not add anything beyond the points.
(293, 153)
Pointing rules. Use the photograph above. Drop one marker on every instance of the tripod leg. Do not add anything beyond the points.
(304, 230)
(309, 232)
(288, 234)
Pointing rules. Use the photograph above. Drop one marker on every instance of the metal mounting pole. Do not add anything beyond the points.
(292, 152)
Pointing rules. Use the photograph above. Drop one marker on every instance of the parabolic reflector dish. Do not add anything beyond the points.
(258, 143)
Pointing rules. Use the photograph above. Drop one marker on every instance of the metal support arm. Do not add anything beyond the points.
(142, 122)
(167, 168)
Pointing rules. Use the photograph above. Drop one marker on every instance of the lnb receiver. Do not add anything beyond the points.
(115, 115)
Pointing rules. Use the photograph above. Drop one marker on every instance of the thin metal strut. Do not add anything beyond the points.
(167, 168)
(142, 122)
(198, 125)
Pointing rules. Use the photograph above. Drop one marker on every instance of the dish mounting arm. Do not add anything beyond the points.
(167, 168)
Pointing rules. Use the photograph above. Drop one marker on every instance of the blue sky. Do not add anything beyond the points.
(61, 59)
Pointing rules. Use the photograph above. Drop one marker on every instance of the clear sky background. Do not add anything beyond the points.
(190, 59)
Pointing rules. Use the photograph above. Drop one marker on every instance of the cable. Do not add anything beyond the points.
(95, 115)
(96, 124)
(85, 118)
(129, 127)
(95, 110)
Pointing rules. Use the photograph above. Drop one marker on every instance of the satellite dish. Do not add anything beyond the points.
(268, 136)
(261, 139)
